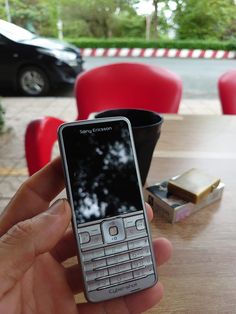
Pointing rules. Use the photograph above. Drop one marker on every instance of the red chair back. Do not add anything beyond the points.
(227, 92)
(40, 135)
(127, 85)
(122, 85)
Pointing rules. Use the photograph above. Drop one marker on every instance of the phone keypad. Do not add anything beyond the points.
(117, 259)
(143, 272)
(145, 251)
(84, 237)
(92, 275)
(119, 268)
(140, 224)
(95, 264)
(138, 243)
(121, 278)
(116, 263)
(118, 248)
(92, 254)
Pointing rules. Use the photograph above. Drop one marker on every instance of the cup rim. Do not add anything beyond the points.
(135, 109)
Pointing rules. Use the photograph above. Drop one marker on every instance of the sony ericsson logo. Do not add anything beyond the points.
(127, 287)
(96, 130)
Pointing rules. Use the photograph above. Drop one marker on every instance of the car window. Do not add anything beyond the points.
(15, 32)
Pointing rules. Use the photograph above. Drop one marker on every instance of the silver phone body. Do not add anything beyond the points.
(115, 250)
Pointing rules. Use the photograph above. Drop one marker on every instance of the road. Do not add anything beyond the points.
(199, 76)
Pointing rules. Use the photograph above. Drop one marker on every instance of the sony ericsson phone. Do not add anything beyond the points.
(109, 217)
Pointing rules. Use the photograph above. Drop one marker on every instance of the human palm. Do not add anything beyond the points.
(42, 289)
(35, 241)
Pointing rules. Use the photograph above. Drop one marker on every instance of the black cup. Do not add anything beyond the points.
(146, 127)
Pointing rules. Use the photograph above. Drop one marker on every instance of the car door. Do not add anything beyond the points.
(8, 62)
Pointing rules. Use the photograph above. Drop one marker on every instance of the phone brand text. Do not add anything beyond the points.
(96, 130)
(119, 289)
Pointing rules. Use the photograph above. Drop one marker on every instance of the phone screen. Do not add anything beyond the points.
(102, 170)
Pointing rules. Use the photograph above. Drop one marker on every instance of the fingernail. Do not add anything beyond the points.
(58, 207)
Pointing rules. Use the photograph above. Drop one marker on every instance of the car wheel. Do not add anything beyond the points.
(32, 81)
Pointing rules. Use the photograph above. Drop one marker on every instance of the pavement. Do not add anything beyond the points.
(21, 110)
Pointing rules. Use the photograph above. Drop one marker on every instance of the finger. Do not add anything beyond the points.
(162, 250)
(74, 278)
(66, 248)
(132, 304)
(34, 196)
(25, 241)
(149, 212)
(145, 299)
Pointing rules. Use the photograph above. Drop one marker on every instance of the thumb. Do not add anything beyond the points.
(26, 240)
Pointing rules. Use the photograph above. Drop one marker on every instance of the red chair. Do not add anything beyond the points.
(120, 85)
(132, 85)
(227, 92)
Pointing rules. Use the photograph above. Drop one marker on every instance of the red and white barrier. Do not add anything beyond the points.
(158, 53)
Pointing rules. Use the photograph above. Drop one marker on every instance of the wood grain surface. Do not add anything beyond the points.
(201, 276)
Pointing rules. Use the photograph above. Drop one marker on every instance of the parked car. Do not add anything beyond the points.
(32, 64)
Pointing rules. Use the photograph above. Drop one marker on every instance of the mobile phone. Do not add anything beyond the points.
(108, 212)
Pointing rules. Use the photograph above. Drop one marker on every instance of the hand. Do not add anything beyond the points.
(35, 241)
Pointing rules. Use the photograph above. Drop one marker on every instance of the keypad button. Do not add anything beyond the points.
(139, 273)
(134, 244)
(92, 230)
(84, 237)
(92, 254)
(149, 269)
(92, 275)
(143, 272)
(140, 253)
(95, 264)
(140, 225)
(147, 260)
(142, 262)
(98, 284)
(138, 263)
(130, 221)
(114, 249)
(121, 278)
(95, 241)
(136, 254)
(113, 231)
(115, 226)
(117, 259)
(119, 268)
(132, 232)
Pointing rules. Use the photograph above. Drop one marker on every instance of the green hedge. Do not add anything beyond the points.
(142, 43)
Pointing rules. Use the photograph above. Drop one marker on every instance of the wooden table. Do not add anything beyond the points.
(201, 276)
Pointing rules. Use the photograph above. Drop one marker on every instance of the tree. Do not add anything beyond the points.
(101, 18)
(202, 19)
(155, 16)
(156, 20)
(126, 24)
(31, 14)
